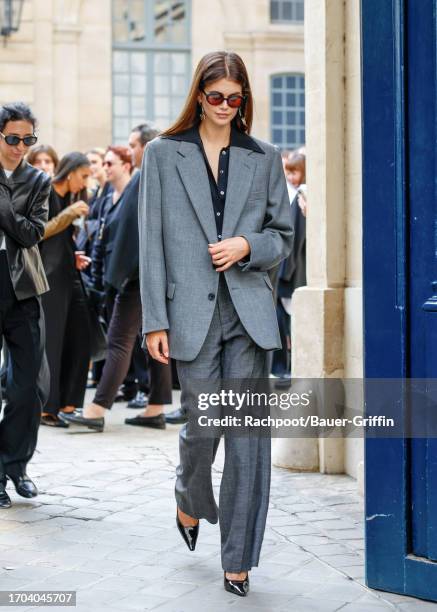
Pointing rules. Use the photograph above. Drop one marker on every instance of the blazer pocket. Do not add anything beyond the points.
(266, 277)
(170, 290)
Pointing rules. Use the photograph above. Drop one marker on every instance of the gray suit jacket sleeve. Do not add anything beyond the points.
(270, 246)
(153, 277)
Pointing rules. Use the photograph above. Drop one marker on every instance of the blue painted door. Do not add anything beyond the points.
(399, 51)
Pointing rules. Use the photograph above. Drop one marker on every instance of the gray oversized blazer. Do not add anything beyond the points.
(176, 222)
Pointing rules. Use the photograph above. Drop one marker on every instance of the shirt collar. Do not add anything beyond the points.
(238, 139)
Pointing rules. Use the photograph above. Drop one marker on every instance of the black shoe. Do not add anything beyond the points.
(237, 587)
(74, 418)
(189, 534)
(5, 500)
(158, 421)
(23, 485)
(180, 415)
(140, 401)
(52, 420)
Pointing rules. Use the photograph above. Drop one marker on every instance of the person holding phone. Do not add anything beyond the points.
(65, 305)
(214, 219)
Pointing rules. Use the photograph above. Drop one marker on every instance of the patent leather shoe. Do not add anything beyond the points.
(237, 587)
(5, 500)
(157, 422)
(189, 534)
(75, 418)
(24, 485)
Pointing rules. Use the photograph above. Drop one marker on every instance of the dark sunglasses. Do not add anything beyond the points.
(215, 98)
(13, 140)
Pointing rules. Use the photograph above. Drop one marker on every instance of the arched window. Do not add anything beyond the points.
(150, 62)
(286, 11)
(288, 110)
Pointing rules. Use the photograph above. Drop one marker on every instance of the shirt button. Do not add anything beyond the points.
(211, 296)
(223, 152)
(221, 171)
(222, 193)
(219, 236)
(218, 214)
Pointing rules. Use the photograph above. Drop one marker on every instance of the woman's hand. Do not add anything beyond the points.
(227, 252)
(79, 208)
(82, 261)
(157, 345)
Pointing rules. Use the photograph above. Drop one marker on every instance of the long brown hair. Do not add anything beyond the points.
(213, 67)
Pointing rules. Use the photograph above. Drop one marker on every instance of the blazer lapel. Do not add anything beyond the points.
(240, 178)
(192, 170)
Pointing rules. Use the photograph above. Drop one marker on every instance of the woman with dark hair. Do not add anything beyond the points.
(65, 305)
(214, 219)
(43, 157)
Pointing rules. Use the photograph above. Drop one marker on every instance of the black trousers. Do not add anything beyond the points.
(123, 331)
(67, 343)
(138, 377)
(22, 328)
(282, 357)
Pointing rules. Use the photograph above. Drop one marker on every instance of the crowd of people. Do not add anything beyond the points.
(73, 286)
(90, 255)
(89, 251)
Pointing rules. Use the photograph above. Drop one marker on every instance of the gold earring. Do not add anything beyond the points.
(202, 112)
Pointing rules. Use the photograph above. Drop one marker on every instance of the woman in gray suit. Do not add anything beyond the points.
(214, 219)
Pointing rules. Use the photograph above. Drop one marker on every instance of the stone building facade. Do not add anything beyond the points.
(91, 69)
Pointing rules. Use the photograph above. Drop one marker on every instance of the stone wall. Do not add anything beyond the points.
(60, 61)
(327, 314)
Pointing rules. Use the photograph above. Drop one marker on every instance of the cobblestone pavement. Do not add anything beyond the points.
(104, 525)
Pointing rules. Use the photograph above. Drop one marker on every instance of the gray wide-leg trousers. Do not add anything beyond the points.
(227, 353)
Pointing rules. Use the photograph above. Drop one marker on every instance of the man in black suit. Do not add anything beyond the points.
(24, 192)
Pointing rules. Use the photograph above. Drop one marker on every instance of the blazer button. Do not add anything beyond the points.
(211, 296)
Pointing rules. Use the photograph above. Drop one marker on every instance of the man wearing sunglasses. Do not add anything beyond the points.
(24, 192)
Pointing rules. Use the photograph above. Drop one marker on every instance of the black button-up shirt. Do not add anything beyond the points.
(218, 188)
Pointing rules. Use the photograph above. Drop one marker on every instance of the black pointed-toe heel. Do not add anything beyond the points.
(189, 534)
(237, 587)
